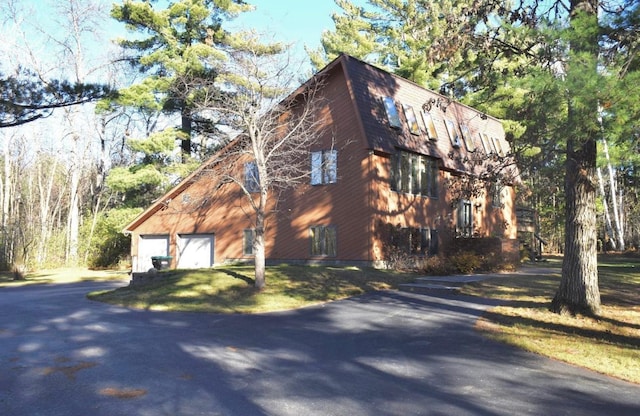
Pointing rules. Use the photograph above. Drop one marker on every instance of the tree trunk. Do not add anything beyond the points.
(613, 190)
(260, 261)
(73, 220)
(608, 227)
(578, 292)
(259, 254)
(185, 141)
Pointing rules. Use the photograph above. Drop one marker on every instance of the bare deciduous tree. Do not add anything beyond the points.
(272, 132)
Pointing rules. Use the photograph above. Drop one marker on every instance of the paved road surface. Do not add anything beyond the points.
(382, 354)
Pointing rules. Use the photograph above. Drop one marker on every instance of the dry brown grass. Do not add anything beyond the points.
(64, 275)
(609, 343)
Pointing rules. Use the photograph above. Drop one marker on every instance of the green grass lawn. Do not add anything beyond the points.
(609, 344)
(230, 289)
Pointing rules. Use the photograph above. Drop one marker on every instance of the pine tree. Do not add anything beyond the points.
(423, 41)
(25, 98)
(175, 48)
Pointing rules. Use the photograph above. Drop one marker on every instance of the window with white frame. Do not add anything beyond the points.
(392, 112)
(465, 218)
(498, 146)
(251, 177)
(324, 167)
(412, 121)
(323, 240)
(430, 125)
(468, 139)
(247, 242)
(414, 174)
(454, 136)
(487, 145)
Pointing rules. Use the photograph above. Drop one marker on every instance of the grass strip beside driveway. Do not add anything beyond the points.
(230, 289)
(609, 344)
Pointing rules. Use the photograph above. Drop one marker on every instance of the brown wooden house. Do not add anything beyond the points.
(396, 153)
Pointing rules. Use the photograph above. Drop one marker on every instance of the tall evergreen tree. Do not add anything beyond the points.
(174, 48)
(419, 40)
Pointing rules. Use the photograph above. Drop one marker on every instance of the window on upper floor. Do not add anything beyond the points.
(324, 167)
(497, 144)
(487, 145)
(432, 133)
(247, 242)
(414, 174)
(251, 177)
(466, 136)
(412, 121)
(453, 133)
(392, 112)
(323, 240)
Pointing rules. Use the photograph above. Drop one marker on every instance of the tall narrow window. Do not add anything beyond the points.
(486, 143)
(251, 177)
(324, 167)
(453, 133)
(392, 112)
(465, 218)
(247, 242)
(412, 121)
(433, 242)
(429, 124)
(498, 146)
(468, 139)
(405, 172)
(323, 240)
(496, 194)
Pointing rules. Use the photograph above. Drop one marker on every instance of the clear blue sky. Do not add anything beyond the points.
(300, 22)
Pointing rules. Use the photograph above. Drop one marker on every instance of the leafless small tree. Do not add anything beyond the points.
(270, 131)
(482, 170)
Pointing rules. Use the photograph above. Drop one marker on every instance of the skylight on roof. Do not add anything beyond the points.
(412, 121)
(466, 136)
(392, 112)
(453, 133)
(432, 133)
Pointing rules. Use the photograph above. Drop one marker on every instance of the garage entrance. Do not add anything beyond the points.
(150, 246)
(195, 251)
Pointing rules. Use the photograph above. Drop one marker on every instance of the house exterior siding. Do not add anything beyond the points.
(361, 204)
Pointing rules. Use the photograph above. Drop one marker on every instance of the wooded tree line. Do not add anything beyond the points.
(561, 74)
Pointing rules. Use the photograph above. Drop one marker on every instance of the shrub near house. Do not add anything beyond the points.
(393, 156)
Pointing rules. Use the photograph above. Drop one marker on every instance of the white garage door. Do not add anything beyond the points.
(195, 251)
(149, 246)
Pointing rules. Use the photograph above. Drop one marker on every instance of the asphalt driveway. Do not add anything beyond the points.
(383, 354)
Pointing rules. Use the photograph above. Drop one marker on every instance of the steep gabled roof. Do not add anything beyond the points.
(370, 85)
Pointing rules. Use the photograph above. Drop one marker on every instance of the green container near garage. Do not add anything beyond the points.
(161, 262)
